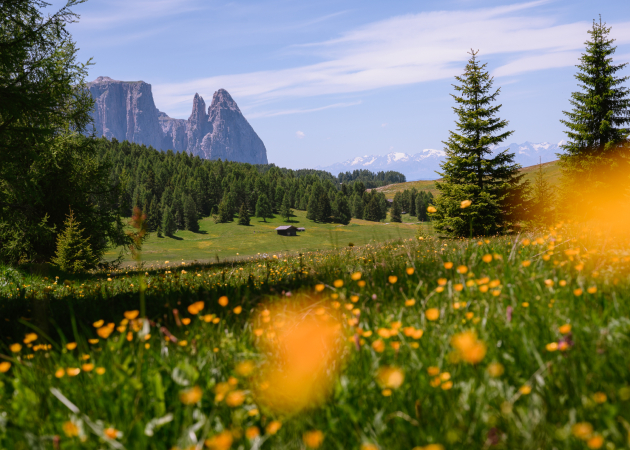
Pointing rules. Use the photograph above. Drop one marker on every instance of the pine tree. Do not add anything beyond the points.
(422, 203)
(243, 215)
(279, 199)
(263, 208)
(373, 210)
(285, 208)
(168, 222)
(470, 173)
(342, 209)
(74, 252)
(412, 202)
(357, 206)
(543, 200)
(324, 210)
(359, 188)
(154, 215)
(596, 161)
(383, 203)
(312, 209)
(405, 200)
(191, 219)
(224, 211)
(396, 211)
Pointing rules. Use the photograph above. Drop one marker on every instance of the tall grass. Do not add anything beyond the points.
(512, 342)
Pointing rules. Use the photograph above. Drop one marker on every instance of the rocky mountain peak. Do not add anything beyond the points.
(102, 80)
(222, 99)
(198, 109)
(126, 111)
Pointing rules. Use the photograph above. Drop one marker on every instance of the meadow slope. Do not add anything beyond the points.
(516, 342)
(551, 172)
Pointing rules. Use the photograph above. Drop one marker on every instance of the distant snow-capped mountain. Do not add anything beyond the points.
(420, 166)
(529, 153)
(423, 165)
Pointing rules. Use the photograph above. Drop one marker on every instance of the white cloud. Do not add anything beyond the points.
(383, 125)
(300, 111)
(538, 62)
(407, 49)
(300, 134)
(117, 12)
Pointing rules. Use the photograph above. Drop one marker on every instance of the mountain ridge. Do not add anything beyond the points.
(424, 165)
(125, 110)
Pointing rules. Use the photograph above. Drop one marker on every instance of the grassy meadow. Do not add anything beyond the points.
(516, 342)
(233, 241)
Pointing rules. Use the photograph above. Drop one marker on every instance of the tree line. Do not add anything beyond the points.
(413, 202)
(176, 190)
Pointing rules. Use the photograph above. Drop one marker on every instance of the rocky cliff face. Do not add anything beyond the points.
(125, 110)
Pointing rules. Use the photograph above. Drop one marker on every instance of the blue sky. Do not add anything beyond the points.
(324, 81)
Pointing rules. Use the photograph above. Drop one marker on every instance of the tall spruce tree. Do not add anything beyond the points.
(285, 208)
(324, 210)
(190, 214)
(243, 215)
(263, 208)
(312, 209)
(596, 159)
(373, 211)
(422, 204)
(543, 200)
(412, 202)
(357, 206)
(224, 212)
(396, 212)
(168, 222)
(341, 208)
(470, 173)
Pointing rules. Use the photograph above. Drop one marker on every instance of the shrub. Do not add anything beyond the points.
(74, 252)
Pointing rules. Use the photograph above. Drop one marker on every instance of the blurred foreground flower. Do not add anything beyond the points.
(273, 427)
(190, 396)
(432, 314)
(495, 369)
(582, 430)
(430, 447)
(221, 441)
(303, 352)
(70, 429)
(468, 347)
(390, 377)
(431, 209)
(313, 439)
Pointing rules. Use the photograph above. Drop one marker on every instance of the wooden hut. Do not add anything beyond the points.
(287, 230)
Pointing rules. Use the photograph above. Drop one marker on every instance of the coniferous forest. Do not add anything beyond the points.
(176, 190)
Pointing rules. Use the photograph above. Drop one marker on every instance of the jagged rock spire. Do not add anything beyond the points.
(125, 110)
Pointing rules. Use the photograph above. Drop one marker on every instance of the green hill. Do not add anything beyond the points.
(551, 172)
